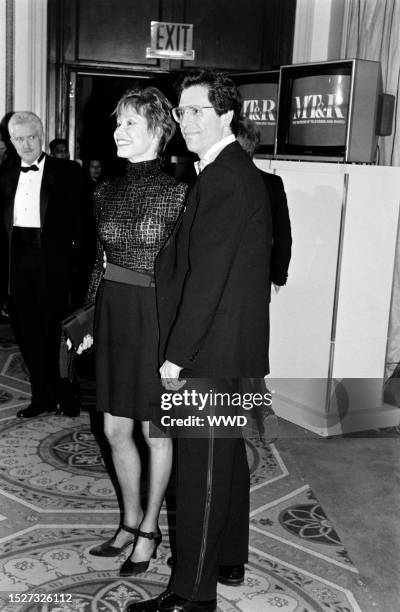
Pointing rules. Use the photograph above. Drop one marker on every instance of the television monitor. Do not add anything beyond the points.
(259, 91)
(328, 111)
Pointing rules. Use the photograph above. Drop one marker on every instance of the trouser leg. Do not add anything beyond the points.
(234, 548)
(38, 329)
(212, 477)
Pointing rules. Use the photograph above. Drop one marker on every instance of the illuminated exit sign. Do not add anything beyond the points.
(171, 41)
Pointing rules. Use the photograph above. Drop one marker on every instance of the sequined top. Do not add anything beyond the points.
(135, 215)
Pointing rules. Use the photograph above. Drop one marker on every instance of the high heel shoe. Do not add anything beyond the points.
(130, 568)
(107, 549)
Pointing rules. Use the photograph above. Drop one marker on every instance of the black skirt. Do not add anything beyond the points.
(126, 345)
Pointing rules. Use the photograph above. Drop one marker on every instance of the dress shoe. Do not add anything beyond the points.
(130, 568)
(33, 410)
(107, 549)
(171, 602)
(233, 575)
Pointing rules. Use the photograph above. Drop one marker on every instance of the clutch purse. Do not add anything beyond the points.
(79, 324)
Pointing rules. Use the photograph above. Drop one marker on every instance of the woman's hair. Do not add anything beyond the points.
(154, 107)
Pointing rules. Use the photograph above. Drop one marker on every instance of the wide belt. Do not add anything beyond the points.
(129, 277)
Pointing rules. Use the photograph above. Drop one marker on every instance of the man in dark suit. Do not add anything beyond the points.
(212, 281)
(39, 200)
(249, 138)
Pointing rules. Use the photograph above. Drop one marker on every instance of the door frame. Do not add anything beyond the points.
(71, 98)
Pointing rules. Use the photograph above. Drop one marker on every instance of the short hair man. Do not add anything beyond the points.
(249, 138)
(59, 148)
(39, 206)
(95, 170)
(212, 282)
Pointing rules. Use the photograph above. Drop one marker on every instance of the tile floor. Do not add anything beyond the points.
(57, 500)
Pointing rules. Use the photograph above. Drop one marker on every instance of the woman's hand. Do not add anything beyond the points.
(85, 344)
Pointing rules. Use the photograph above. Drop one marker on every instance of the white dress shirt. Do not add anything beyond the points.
(27, 196)
(213, 152)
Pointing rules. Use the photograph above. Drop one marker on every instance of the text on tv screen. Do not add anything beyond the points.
(319, 110)
(260, 105)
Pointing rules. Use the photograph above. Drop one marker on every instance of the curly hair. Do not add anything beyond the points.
(153, 105)
(222, 92)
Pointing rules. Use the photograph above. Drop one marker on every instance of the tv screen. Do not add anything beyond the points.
(327, 111)
(319, 110)
(260, 105)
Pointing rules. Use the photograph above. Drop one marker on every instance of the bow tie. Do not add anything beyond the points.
(34, 168)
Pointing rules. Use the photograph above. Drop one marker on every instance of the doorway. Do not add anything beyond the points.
(93, 98)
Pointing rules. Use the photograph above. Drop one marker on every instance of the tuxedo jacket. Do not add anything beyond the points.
(60, 205)
(212, 276)
(281, 230)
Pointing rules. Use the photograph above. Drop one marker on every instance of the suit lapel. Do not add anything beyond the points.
(45, 190)
(191, 195)
(9, 201)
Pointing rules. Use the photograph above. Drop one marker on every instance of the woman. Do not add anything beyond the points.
(135, 215)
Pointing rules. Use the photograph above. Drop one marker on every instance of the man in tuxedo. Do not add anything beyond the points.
(212, 281)
(39, 200)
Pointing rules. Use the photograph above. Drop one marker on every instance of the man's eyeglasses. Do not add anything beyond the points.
(194, 112)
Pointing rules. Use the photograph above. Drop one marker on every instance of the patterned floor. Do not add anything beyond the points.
(57, 500)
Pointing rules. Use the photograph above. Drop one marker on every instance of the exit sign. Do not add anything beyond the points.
(171, 41)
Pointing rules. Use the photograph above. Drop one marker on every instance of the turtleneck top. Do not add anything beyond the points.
(134, 216)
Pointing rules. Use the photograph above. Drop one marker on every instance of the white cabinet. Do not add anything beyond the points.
(329, 325)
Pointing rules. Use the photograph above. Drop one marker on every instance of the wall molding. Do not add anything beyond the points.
(8, 9)
(30, 56)
(2, 58)
(345, 28)
(319, 28)
(303, 32)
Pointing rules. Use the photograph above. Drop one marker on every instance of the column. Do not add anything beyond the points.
(318, 30)
(30, 56)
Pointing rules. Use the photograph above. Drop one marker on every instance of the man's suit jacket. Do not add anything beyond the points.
(59, 214)
(281, 231)
(212, 277)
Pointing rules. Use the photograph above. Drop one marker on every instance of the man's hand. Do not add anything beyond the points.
(169, 373)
